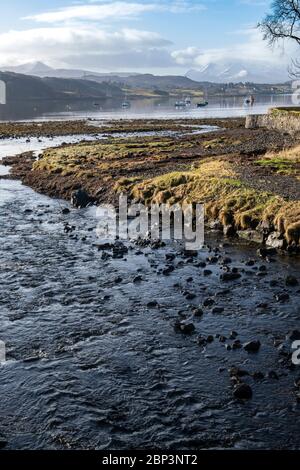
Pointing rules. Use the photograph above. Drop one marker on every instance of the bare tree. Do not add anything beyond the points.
(283, 23)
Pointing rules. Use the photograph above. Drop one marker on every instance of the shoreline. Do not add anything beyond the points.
(227, 169)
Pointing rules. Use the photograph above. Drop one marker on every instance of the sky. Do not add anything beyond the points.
(157, 36)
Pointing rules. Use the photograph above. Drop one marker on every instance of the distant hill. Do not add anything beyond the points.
(27, 87)
(132, 80)
(150, 82)
(40, 69)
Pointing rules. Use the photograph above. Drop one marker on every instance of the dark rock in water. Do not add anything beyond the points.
(226, 277)
(210, 339)
(201, 341)
(237, 372)
(291, 281)
(250, 262)
(236, 344)
(233, 335)
(282, 297)
(218, 310)
(197, 312)
(208, 302)
(258, 375)
(207, 272)
(119, 250)
(212, 259)
(168, 270)
(190, 296)
(170, 256)
(65, 211)
(81, 199)
(190, 253)
(242, 391)
(226, 260)
(252, 346)
(293, 335)
(201, 264)
(185, 327)
(265, 252)
(152, 304)
(137, 279)
(228, 347)
(229, 231)
(272, 375)
(118, 280)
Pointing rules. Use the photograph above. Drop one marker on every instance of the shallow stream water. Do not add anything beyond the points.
(92, 362)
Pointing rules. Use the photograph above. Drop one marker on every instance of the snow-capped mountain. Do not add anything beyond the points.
(235, 72)
(39, 69)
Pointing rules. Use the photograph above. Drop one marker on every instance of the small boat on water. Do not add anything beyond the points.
(126, 104)
(202, 104)
(188, 101)
(249, 101)
(180, 104)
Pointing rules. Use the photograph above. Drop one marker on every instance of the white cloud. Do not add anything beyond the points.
(113, 11)
(57, 44)
(251, 49)
(116, 10)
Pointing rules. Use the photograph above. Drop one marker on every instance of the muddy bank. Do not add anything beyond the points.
(89, 126)
(231, 170)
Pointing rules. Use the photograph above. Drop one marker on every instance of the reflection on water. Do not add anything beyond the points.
(142, 108)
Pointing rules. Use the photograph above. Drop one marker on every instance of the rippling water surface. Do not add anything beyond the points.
(91, 363)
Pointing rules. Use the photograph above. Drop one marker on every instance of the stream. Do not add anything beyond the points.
(93, 360)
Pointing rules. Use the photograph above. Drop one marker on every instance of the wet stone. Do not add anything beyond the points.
(291, 281)
(243, 392)
(185, 327)
(252, 346)
(227, 277)
(282, 297)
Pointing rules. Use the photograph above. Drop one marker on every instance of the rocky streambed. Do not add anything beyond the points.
(141, 345)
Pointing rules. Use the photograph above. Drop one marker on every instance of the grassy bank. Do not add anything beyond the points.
(246, 178)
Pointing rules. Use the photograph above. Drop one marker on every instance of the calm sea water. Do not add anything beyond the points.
(154, 108)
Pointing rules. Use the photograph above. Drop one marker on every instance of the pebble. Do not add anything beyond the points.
(252, 346)
(226, 277)
(218, 310)
(242, 391)
(185, 327)
(197, 312)
(208, 302)
(291, 281)
(282, 297)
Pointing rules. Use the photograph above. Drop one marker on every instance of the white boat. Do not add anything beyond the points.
(180, 104)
